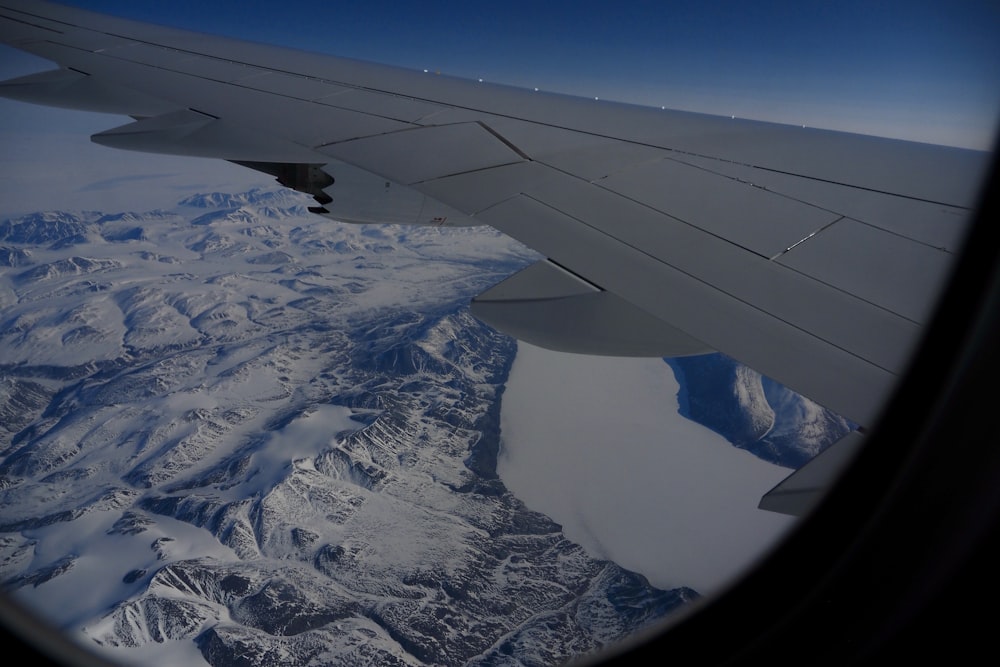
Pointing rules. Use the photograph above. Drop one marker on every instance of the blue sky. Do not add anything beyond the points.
(919, 70)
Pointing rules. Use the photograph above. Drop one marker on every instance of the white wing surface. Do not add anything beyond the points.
(811, 256)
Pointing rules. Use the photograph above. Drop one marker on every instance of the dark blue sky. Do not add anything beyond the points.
(922, 70)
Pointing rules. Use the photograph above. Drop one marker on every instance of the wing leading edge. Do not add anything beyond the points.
(812, 256)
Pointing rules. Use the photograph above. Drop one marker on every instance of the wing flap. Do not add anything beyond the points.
(188, 132)
(844, 321)
(476, 191)
(76, 90)
(762, 222)
(19, 27)
(426, 153)
(359, 196)
(548, 306)
(297, 87)
(886, 269)
(396, 107)
(935, 224)
(145, 54)
(300, 122)
(833, 376)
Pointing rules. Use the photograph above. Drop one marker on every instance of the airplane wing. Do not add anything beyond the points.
(812, 256)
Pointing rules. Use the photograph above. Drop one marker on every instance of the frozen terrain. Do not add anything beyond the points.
(238, 432)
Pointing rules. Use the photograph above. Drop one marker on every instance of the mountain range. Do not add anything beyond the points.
(238, 433)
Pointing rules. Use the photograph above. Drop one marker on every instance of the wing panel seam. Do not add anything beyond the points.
(29, 23)
(728, 294)
(737, 179)
(809, 236)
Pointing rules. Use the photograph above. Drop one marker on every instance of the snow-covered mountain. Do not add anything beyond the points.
(237, 431)
(753, 411)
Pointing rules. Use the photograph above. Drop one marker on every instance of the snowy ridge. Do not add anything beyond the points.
(754, 412)
(748, 390)
(268, 437)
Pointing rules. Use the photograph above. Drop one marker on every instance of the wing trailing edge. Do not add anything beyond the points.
(551, 307)
(72, 89)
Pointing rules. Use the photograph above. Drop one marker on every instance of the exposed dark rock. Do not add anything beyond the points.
(43, 574)
(133, 576)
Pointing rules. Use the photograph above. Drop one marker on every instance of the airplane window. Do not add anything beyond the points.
(234, 429)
